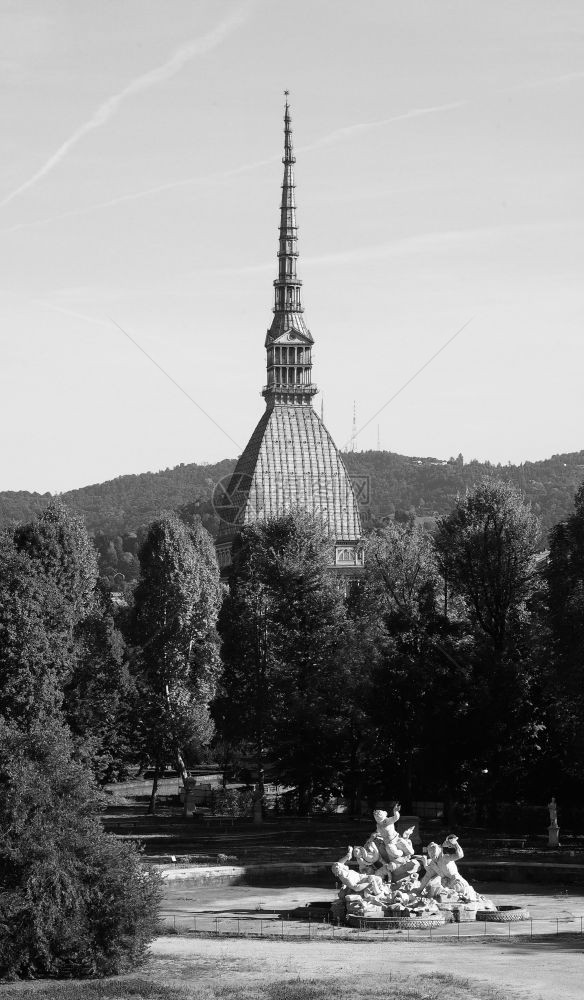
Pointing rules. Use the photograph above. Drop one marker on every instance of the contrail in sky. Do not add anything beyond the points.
(338, 134)
(348, 130)
(146, 193)
(183, 55)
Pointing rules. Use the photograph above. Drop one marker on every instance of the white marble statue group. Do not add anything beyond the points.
(392, 881)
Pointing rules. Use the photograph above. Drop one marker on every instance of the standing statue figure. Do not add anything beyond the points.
(394, 851)
(553, 828)
(385, 825)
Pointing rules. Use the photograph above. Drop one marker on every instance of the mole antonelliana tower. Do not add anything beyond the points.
(291, 461)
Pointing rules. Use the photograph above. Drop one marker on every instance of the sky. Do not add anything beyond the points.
(440, 152)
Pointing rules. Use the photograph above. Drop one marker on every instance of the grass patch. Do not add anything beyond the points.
(427, 986)
(105, 989)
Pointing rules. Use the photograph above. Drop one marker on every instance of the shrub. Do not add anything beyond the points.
(73, 899)
(232, 802)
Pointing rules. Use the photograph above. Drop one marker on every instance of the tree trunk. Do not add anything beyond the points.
(182, 770)
(152, 804)
(258, 804)
(354, 791)
(261, 656)
(409, 783)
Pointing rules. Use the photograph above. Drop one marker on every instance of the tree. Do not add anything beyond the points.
(284, 631)
(177, 661)
(74, 901)
(54, 573)
(100, 693)
(416, 674)
(401, 572)
(564, 575)
(35, 654)
(486, 548)
(58, 542)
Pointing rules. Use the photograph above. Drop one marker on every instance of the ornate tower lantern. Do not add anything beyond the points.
(288, 341)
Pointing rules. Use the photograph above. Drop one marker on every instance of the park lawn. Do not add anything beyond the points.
(432, 986)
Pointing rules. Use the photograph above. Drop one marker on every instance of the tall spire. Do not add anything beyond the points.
(288, 340)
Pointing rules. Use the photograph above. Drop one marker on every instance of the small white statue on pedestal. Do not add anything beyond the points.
(553, 828)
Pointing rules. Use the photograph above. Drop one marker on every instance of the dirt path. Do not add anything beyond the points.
(532, 970)
(551, 967)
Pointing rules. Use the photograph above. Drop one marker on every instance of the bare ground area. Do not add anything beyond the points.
(518, 969)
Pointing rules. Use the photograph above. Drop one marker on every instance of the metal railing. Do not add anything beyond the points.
(291, 387)
(280, 927)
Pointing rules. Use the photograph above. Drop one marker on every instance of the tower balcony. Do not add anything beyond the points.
(308, 388)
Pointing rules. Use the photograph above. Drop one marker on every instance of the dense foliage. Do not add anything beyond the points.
(72, 900)
(434, 679)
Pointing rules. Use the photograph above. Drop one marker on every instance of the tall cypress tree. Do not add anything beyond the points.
(177, 660)
(89, 652)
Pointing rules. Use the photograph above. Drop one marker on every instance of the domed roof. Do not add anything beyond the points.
(290, 462)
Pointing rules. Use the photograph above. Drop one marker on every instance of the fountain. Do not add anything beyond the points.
(395, 887)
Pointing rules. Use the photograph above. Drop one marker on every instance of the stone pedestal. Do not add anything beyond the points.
(553, 835)
(258, 811)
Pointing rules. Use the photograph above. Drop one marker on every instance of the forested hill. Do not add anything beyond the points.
(127, 503)
(116, 512)
(424, 486)
(428, 486)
